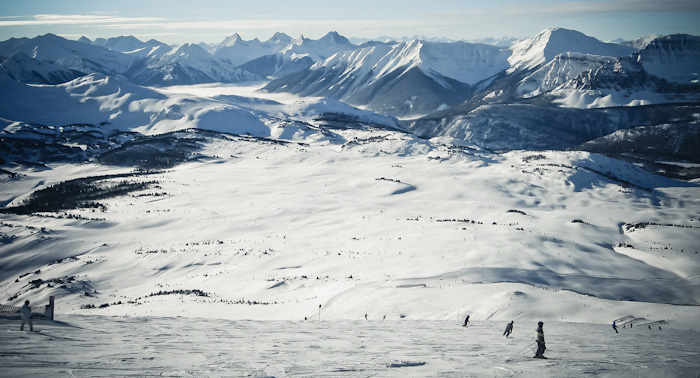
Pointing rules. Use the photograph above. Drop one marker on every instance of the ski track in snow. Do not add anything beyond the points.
(99, 346)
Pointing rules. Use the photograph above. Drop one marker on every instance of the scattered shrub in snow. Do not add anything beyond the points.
(196, 292)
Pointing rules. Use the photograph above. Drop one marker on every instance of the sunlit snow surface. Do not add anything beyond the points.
(98, 346)
(359, 221)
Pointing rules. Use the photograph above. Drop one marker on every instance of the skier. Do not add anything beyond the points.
(540, 341)
(509, 329)
(466, 321)
(615, 327)
(26, 316)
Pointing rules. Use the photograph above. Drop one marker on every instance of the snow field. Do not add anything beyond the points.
(271, 231)
(103, 346)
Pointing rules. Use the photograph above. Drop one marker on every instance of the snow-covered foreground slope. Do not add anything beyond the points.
(381, 224)
(98, 346)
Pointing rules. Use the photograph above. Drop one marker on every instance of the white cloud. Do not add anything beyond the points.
(75, 19)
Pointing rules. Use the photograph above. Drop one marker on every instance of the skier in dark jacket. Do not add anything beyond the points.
(615, 327)
(509, 329)
(540, 341)
(26, 316)
(466, 321)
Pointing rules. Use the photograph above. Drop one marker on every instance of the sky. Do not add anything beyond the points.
(210, 21)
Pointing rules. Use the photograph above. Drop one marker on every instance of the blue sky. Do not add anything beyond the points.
(177, 21)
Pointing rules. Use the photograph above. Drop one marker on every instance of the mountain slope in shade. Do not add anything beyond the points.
(277, 65)
(671, 142)
(675, 58)
(23, 68)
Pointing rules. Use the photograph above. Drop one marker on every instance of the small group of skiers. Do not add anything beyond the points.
(614, 326)
(539, 338)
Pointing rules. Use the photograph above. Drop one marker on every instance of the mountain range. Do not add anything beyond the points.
(557, 90)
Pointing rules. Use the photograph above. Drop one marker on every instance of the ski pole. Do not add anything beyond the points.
(529, 345)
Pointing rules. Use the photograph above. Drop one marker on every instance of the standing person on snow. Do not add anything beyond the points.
(540, 341)
(466, 321)
(26, 316)
(615, 327)
(509, 329)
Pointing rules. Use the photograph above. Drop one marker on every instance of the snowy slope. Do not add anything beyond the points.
(466, 62)
(117, 104)
(375, 221)
(558, 72)
(105, 346)
(304, 202)
(97, 99)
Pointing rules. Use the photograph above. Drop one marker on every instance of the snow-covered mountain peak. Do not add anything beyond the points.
(121, 43)
(236, 51)
(319, 49)
(188, 49)
(232, 40)
(280, 39)
(642, 42)
(465, 62)
(334, 37)
(191, 63)
(542, 48)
